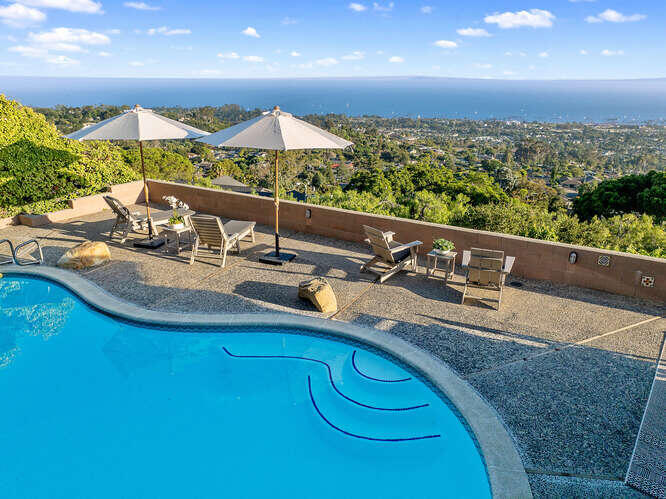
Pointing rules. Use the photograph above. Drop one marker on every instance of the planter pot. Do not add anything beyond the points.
(176, 226)
(441, 252)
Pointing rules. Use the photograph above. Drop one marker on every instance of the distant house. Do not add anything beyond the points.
(191, 155)
(204, 167)
(570, 183)
(231, 184)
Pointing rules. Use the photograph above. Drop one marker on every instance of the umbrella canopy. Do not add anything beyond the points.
(277, 131)
(137, 124)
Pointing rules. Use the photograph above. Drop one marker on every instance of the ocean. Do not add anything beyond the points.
(596, 101)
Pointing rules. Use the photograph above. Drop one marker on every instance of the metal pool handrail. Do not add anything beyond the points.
(11, 251)
(23, 249)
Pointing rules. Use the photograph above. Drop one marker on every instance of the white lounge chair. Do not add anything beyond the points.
(390, 253)
(211, 232)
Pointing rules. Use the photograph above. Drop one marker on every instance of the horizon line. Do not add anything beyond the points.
(379, 77)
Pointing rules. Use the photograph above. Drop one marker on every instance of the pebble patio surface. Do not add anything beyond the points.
(571, 394)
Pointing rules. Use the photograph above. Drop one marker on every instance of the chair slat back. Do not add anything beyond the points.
(118, 207)
(209, 229)
(379, 242)
(485, 271)
(487, 253)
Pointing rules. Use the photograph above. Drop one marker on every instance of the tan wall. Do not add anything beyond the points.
(129, 193)
(535, 259)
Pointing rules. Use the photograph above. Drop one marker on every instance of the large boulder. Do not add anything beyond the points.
(85, 255)
(320, 293)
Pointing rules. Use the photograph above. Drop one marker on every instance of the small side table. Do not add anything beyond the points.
(449, 263)
(172, 238)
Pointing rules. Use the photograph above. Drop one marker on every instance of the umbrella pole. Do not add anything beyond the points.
(275, 257)
(152, 242)
(276, 196)
(145, 192)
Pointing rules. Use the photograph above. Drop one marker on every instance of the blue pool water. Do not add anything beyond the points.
(95, 407)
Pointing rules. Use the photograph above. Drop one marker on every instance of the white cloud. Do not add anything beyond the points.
(62, 60)
(445, 44)
(534, 18)
(85, 6)
(25, 51)
(113, 31)
(426, 9)
(437, 67)
(20, 16)
(357, 7)
(508, 54)
(289, 20)
(163, 30)
(583, 52)
(137, 64)
(141, 6)
(250, 31)
(476, 32)
(68, 36)
(210, 72)
(383, 8)
(357, 55)
(295, 54)
(380, 52)
(326, 61)
(483, 65)
(508, 73)
(522, 54)
(228, 55)
(611, 53)
(253, 58)
(396, 59)
(544, 55)
(104, 54)
(613, 16)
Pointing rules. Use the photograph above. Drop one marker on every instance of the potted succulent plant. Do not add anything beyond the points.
(177, 221)
(442, 246)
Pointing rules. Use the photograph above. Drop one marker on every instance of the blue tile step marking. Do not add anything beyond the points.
(330, 377)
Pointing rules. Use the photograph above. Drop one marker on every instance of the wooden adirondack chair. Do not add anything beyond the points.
(211, 232)
(390, 253)
(486, 269)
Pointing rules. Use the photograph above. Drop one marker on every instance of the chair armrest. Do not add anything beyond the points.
(466, 257)
(508, 264)
(389, 236)
(402, 247)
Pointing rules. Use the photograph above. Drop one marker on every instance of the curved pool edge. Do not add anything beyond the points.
(505, 469)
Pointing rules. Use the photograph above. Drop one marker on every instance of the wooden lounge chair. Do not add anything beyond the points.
(127, 221)
(213, 233)
(486, 269)
(390, 253)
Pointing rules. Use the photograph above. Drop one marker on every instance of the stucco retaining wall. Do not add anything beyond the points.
(535, 259)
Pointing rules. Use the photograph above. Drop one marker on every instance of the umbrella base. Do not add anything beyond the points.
(273, 259)
(149, 243)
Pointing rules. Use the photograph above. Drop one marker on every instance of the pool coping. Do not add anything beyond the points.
(504, 466)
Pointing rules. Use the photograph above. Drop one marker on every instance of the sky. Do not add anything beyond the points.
(528, 39)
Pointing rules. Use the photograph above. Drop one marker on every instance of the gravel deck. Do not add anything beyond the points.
(647, 470)
(568, 369)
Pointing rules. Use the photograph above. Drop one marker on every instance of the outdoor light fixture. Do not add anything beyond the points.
(308, 213)
(573, 257)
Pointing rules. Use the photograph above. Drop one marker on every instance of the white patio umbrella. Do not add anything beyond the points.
(139, 124)
(277, 131)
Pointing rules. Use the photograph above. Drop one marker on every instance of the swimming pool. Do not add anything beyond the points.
(98, 407)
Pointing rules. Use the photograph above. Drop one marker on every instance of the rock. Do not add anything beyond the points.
(320, 293)
(85, 255)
